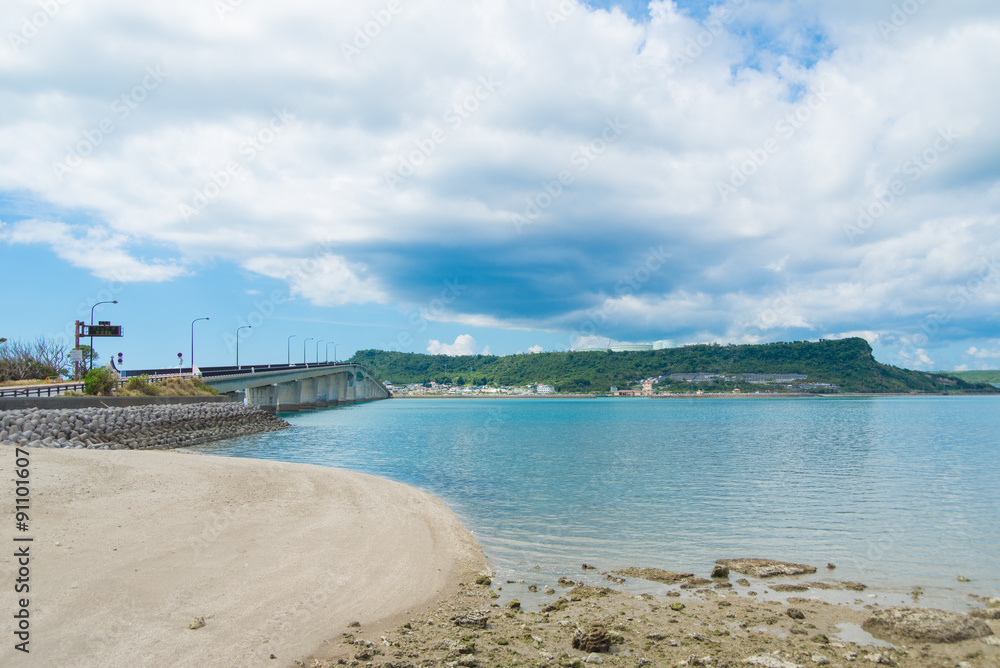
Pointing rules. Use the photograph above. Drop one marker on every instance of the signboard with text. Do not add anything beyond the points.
(102, 330)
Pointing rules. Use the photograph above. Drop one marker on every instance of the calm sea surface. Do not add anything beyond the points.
(897, 491)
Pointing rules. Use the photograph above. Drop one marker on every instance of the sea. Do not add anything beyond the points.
(901, 494)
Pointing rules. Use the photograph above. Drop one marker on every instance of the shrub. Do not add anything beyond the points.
(100, 382)
(140, 386)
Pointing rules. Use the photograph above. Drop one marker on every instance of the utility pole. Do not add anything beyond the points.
(76, 346)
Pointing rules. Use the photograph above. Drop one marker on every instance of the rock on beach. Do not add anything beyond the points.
(156, 427)
(765, 568)
(925, 625)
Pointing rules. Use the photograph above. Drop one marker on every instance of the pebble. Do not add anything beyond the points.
(162, 426)
(879, 659)
(594, 658)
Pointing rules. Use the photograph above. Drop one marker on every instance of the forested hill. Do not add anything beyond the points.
(847, 363)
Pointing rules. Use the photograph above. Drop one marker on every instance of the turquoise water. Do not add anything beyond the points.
(897, 491)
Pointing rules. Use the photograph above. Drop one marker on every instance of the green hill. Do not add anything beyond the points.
(976, 376)
(847, 363)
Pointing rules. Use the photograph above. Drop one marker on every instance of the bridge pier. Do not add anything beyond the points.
(352, 389)
(307, 394)
(340, 382)
(323, 392)
(264, 397)
(289, 394)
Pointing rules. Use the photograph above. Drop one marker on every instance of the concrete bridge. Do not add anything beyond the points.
(289, 388)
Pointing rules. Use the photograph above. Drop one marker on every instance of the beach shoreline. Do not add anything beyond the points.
(129, 548)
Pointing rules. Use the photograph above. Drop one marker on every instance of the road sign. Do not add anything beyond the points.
(102, 330)
(76, 355)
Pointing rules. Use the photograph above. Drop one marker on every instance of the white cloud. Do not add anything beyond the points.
(983, 354)
(535, 349)
(464, 345)
(95, 249)
(919, 359)
(325, 280)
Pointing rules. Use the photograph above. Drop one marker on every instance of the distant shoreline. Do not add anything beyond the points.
(788, 395)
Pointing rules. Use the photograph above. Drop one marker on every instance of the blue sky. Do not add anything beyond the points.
(501, 177)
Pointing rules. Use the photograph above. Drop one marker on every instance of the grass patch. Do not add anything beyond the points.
(18, 383)
(185, 387)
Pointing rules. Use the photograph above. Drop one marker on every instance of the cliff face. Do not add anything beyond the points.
(847, 363)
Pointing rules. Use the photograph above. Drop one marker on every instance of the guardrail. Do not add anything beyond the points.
(40, 390)
(212, 371)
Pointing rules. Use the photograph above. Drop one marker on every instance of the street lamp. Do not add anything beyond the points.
(192, 343)
(238, 343)
(304, 350)
(335, 353)
(290, 349)
(317, 349)
(90, 361)
(334, 344)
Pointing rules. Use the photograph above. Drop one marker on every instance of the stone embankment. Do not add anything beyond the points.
(156, 427)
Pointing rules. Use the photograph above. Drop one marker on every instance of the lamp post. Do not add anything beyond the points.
(192, 343)
(290, 349)
(317, 349)
(334, 344)
(238, 343)
(90, 361)
(304, 350)
(335, 353)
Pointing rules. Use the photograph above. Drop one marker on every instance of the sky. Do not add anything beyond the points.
(500, 177)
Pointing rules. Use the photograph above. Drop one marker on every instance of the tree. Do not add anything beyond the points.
(23, 360)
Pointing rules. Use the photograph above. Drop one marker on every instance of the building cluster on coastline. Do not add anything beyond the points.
(764, 383)
(437, 389)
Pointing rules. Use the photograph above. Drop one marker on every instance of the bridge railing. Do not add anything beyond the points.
(52, 390)
(208, 372)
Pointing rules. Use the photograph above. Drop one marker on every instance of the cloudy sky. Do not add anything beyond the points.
(501, 176)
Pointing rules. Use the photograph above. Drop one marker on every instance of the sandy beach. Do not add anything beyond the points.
(129, 547)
